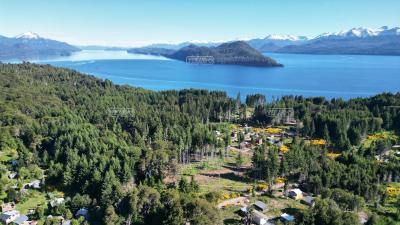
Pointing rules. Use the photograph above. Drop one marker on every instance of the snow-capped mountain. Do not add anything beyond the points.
(30, 45)
(273, 42)
(367, 41)
(285, 37)
(361, 32)
(28, 35)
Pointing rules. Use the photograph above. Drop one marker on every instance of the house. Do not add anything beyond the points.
(5, 207)
(244, 145)
(234, 135)
(289, 134)
(291, 122)
(260, 206)
(36, 184)
(308, 200)
(66, 222)
(56, 201)
(247, 137)
(296, 194)
(12, 175)
(259, 218)
(243, 211)
(287, 217)
(8, 217)
(82, 212)
(21, 220)
(259, 141)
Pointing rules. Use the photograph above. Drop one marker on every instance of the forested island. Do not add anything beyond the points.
(80, 150)
(232, 53)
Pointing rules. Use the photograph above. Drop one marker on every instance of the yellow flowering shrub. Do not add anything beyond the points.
(280, 180)
(318, 142)
(227, 196)
(332, 155)
(262, 187)
(272, 130)
(393, 191)
(284, 148)
(377, 136)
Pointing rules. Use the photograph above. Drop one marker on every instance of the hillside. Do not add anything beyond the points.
(32, 46)
(151, 51)
(130, 155)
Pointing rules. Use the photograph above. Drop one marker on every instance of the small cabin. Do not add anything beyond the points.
(36, 184)
(12, 175)
(5, 207)
(8, 217)
(260, 206)
(56, 201)
(308, 200)
(259, 218)
(243, 211)
(21, 220)
(296, 194)
(66, 222)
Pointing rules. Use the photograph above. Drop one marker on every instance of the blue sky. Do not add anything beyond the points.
(138, 22)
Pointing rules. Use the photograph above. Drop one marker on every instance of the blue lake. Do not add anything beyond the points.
(332, 76)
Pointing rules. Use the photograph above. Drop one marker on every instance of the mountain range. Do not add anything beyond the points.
(30, 45)
(381, 41)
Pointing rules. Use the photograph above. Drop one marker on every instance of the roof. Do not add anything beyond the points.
(66, 222)
(56, 201)
(260, 205)
(259, 217)
(308, 199)
(287, 217)
(82, 212)
(296, 190)
(9, 214)
(20, 220)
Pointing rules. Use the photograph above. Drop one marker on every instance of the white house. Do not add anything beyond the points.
(21, 220)
(5, 207)
(56, 201)
(10, 216)
(295, 193)
(66, 222)
(259, 218)
(12, 175)
(36, 184)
